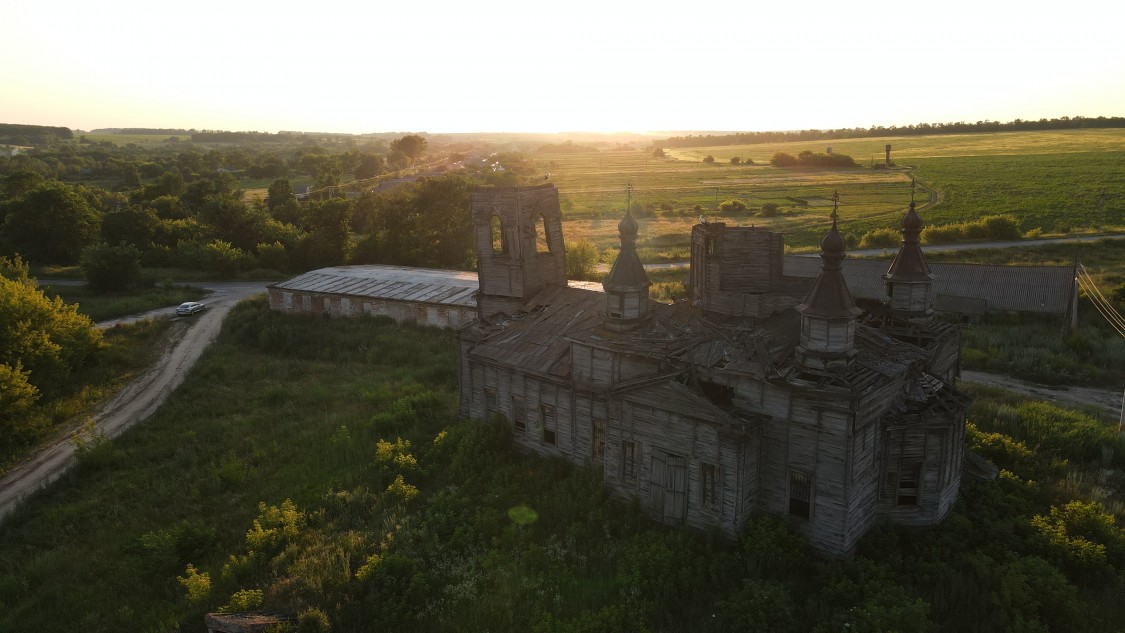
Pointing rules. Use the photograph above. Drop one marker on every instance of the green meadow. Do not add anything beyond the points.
(1052, 181)
(316, 467)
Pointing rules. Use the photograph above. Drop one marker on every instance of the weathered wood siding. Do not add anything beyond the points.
(738, 271)
(519, 270)
(415, 312)
(657, 434)
(930, 456)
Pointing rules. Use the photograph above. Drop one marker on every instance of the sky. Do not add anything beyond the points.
(541, 66)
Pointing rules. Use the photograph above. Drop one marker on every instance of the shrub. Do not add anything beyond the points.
(769, 210)
(709, 159)
(198, 585)
(781, 159)
(582, 260)
(732, 206)
(273, 257)
(313, 620)
(879, 238)
(110, 268)
(735, 160)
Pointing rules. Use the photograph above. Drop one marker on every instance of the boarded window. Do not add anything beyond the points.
(908, 482)
(709, 485)
(800, 494)
(519, 414)
(628, 460)
(613, 305)
(547, 412)
(499, 244)
(490, 402)
(597, 441)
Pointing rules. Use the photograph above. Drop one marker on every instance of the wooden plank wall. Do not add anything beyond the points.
(434, 315)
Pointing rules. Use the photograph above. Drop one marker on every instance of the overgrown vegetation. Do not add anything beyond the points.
(314, 466)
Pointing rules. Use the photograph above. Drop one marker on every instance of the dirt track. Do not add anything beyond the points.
(186, 342)
(1067, 396)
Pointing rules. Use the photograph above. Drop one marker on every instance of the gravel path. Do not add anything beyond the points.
(186, 341)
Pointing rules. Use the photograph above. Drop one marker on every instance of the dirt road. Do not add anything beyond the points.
(1110, 400)
(188, 338)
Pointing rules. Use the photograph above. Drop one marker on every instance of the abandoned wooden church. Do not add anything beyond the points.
(764, 393)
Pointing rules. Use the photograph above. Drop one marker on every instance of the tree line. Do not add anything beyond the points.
(919, 129)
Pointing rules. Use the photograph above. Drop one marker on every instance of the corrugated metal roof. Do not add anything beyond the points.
(1044, 289)
(399, 283)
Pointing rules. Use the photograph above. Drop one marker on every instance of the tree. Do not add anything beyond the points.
(16, 397)
(47, 337)
(709, 159)
(581, 260)
(133, 225)
(658, 152)
(426, 224)
(328, 242)
(411, 145)
(49, 225)
(111, 268)
(278, 193)
(369, 166)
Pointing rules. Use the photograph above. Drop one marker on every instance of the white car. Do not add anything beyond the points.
(189, 308)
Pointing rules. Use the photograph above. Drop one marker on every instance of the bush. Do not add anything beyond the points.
(735, 160)
(709, 159)
(111, 268)
(273, 257)
(732, 206)
(582, 260)
(989, 227)
(769, 210)
(880, 238)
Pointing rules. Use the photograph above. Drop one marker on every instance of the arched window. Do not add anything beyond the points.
(499, 244)
(542, 244)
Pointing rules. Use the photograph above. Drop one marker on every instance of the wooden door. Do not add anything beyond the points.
(668, 487)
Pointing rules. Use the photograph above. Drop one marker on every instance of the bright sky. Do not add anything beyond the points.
(541, 66)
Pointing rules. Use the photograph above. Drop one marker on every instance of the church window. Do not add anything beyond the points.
(542, 244)
(489, 402)
(547, 412)
(519, 414)
(499, 242)
(908, 485)
(628, 460)
(597, 440)
(800, 494)
(709, 485)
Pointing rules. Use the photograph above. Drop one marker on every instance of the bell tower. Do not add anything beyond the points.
(519, 245)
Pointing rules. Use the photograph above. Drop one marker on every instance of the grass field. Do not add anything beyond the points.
(1049, 180)
(100, 306)
(144, 140)
(288, 411)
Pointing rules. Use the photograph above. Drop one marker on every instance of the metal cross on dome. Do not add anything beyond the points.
(911, 191)
(628, 197)
(835, 203)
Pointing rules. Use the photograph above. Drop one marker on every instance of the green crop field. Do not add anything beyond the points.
(1051, 180)
(140, 139)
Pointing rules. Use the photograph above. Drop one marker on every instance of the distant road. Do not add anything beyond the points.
(187, 340)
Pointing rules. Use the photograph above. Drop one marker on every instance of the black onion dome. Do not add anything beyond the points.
(912, 221)
(627, 226)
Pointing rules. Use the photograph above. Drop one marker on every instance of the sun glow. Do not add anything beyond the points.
(341, 67)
